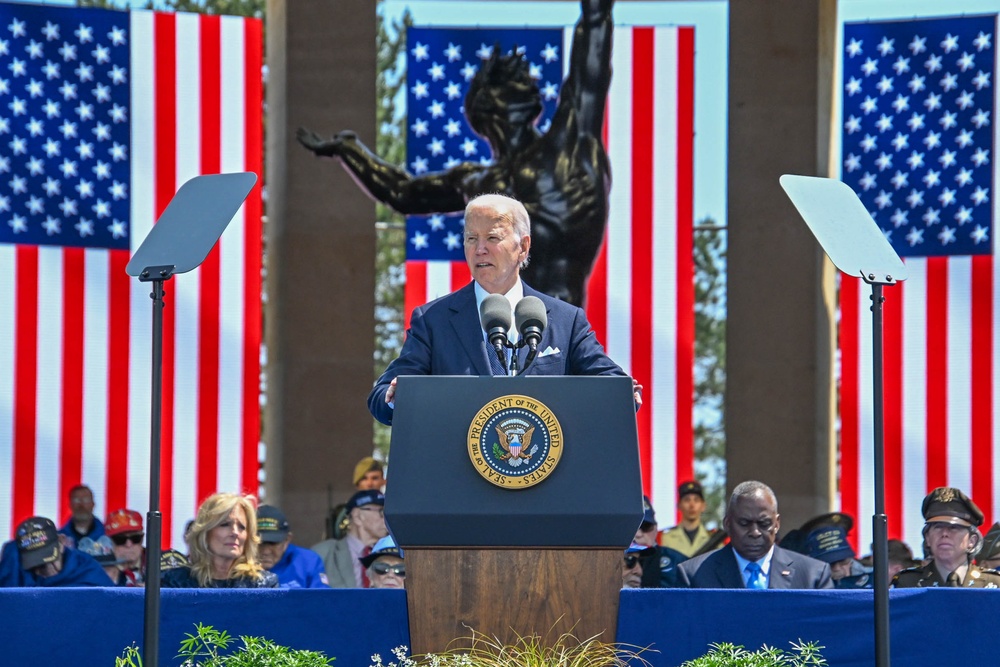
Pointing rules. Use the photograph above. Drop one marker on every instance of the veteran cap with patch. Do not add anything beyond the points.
(384, 547)
(648, 515)
(947, 504)
(845, 521)
(829, 544)
(37, 542)
(362, 498)
(123, 521)
(172, 559)
(102, 550)
(272, 526)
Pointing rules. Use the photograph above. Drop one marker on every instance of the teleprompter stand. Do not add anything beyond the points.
(857, 247)
(179, 242)
(508, 563)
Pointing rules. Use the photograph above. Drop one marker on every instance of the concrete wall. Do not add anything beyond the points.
(780, 341)
(320, 257)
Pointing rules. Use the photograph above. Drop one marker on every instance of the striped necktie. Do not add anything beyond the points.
(365, 583)
(495, 364)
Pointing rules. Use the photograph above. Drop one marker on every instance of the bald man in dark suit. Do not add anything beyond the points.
(752, 560)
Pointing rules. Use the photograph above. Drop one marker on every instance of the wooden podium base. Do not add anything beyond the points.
(507, 593)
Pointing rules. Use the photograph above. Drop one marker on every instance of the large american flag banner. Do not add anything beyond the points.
(103, 115)
(918, 146)
(640, 297)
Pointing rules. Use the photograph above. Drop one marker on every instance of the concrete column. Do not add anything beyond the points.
(780, 340)
(319, 317)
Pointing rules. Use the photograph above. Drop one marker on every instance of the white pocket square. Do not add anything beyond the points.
(547, 351)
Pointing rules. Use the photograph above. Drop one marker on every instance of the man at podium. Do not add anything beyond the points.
(447, 337)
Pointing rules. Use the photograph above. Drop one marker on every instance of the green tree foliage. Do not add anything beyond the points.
(710, 365)
(390, 143)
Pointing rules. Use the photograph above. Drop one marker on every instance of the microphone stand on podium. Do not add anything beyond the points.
(179, 242)
(854, 243)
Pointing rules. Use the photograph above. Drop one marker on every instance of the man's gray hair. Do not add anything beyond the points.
(504, 204)
(750, 489)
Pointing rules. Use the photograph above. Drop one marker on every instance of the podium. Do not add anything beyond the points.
(538, 551)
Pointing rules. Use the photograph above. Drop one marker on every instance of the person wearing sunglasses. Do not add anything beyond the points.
(632, 565)
(124, 527)
(384, 565)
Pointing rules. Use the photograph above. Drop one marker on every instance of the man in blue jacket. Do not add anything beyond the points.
(36, 558)
(295, 567)
(446, 336)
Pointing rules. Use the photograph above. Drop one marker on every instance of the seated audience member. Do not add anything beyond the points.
(796, 539)
(900, 557)
(124, 527)
(36, 557)
(369, 475)
(989, 556)
(295, 567)
(82, 522)
(171, 558)
(659, 564)
(103, 551)
(632, 564)
(365, 526)
(384, 565)
(951, 534)
(752, 559)
(829, 544)
(223, 543)
(690, 535)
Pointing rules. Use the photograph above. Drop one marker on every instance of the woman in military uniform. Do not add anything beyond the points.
(951, 533)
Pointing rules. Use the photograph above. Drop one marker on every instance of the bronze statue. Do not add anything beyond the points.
(562, 177)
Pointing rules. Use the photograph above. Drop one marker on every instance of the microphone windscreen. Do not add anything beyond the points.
(495, 312)
(530, 311)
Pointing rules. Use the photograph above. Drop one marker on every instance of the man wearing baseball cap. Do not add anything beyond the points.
(36, 558)
(295, 567)
(951, 522)
(366, 525)
(829, 544)
(690, 535)
(124, 527)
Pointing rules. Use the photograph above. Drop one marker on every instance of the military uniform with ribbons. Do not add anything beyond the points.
(951, 506)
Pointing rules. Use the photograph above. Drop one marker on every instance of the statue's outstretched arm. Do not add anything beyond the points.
(387, 183)
(586, 84)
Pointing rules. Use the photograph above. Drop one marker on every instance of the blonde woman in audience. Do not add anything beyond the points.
(223, 546)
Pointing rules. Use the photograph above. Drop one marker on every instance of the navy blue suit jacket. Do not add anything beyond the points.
(719, 569)
(446, 338)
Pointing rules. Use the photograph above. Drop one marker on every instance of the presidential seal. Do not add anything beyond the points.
(515, 442)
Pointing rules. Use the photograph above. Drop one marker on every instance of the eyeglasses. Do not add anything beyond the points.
(385, 568)
(631, 561)
(380, 510)
(122, 540)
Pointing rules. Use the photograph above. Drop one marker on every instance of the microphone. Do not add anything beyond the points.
(531, 319)
(494, 314)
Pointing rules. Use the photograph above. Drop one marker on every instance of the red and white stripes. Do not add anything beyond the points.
(75, 330)
(940, 347)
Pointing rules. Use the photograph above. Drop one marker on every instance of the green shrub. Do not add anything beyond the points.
(207, 646)
(728, 655)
